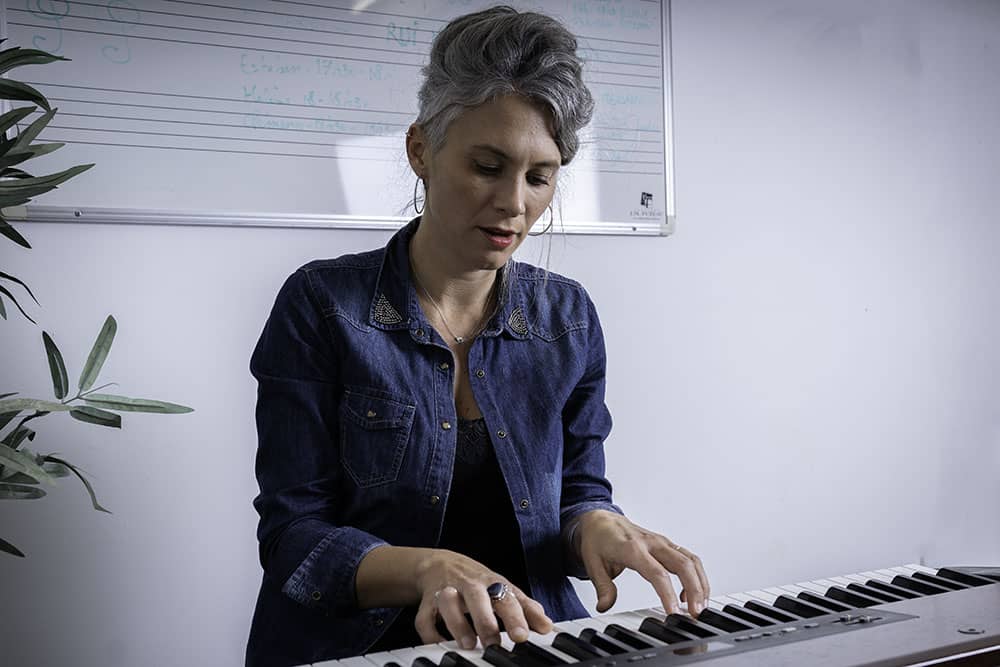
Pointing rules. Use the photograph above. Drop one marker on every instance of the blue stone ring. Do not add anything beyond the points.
(497, 591)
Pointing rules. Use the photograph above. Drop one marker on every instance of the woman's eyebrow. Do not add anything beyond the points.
(549, 164)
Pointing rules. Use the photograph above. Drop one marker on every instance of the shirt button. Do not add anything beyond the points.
(371, 414)
(501, 434)
(419, 333)
(379, 622)
(446, 426)
(316, 595)
(444, 365)
(524, 503)
(435, 500)
(480, 373)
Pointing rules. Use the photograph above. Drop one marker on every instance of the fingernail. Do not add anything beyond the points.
(468, 643)
(519, 634)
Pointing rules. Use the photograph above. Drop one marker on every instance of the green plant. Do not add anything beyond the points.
(22, 471)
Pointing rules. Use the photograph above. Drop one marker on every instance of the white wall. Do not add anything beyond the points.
(804, 378)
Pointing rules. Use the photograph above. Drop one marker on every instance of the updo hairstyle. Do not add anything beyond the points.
(482, 56)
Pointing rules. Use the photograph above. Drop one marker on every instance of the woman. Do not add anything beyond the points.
(431, 415)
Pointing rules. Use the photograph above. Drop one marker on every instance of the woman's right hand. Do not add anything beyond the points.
(447, 585)
(453, 585)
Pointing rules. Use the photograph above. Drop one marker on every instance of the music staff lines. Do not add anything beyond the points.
(303, 29)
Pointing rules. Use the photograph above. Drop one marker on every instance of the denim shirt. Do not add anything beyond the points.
(357, 429)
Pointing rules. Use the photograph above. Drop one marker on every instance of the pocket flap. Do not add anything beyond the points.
(374, 412)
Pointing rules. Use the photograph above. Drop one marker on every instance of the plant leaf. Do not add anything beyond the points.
(15, 90)
(11, 491)
(17, 436)
(13, 117)
(34, 150)
(12, 234)
(96, 416)
(8, 394)
(3, 310)
(6, 292)
(6, 418)
(36, 185)
(60, 380)
(12, 172)
(125, 404)
(98, 353)
(24, 404)
(30, 133)
(22, 462)
(10, 548)
(90, 489)
(16, 57)
(11, 278)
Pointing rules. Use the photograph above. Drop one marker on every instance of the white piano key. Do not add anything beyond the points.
(888, 573)
(743, 598)
(917, 567)
(776, 591)
(762, 596)
(404, 656)
(721, 601)
(814, 587)
(382, 657)
(356, 661)
(843, 581)
(877, 574)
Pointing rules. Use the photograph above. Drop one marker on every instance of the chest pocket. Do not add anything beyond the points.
(374, 431)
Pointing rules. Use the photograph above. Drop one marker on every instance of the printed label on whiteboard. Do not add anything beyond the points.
(647, 209)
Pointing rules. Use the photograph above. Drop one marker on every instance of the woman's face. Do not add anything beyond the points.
(489, 182)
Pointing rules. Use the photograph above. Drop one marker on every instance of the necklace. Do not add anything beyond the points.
(444, 320)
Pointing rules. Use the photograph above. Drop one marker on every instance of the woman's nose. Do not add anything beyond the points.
(510, 197)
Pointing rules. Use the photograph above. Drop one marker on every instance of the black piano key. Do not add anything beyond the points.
(964, 577)
(630, 637)
(453, 659)
(921, 587)
(822, 601)
(392, 664)
(538, 654)
(745, 614)
(689, 625)
(421, 661)
(940, 581)
(904, 593)
(577, 648)
(723, 621)
(852, 598)
(800, 607)
(772, 612)
(497, 655)
(871, 591)
(657, 630)
(604, 642)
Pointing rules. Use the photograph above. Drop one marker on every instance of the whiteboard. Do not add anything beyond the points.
(282, 112)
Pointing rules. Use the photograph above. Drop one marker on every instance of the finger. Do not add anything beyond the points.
(679, 561)
(451, 608)
(426, 621)
(653, 571)
(483, 619)
(534, 613)
(510, 611)
(607, 593)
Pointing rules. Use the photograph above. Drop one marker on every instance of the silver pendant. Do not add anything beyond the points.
(459, 339)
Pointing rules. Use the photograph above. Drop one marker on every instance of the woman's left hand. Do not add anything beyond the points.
(608, 543)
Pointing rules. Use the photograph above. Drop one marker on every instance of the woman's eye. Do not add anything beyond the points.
(538, 180)
(487, 168)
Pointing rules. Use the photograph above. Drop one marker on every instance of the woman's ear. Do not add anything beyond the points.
(417, 151)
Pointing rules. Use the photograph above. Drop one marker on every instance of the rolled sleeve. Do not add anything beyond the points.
(303, 551)
(586, 425)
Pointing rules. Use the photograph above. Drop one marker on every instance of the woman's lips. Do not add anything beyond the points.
(498, 238)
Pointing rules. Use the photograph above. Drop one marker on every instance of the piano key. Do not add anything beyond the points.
(800, 607)
(779, 615)
(718, 602)
(813, 586)
(822, 600)
(965, 578)
(456, 659)
(356, 661)
(473, 655)
(658, 630)
(921, 587)
(763, 596)
(744, 614)
(381, 659)
(405, 656)
(723, 621)
(690, 626)
(576, 647)
(633, 638)
(871, 591)
(423, 661)
(940, 581)
(891, 588)
(539, 654)
(605, 642)
(852, 598)
(497, 655)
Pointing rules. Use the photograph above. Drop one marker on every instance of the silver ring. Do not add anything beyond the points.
(497, 591)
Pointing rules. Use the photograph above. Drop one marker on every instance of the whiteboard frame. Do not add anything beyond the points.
(64, 214)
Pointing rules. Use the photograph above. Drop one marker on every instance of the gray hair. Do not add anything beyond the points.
(482, 56)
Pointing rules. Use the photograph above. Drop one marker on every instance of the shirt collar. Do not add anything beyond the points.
(395, 306)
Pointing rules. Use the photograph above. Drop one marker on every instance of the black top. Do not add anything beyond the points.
(479, 522)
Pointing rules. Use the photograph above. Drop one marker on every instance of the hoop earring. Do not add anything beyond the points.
(422, 200)
(547, 226)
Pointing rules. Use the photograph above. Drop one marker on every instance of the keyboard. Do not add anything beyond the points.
(907, 615)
